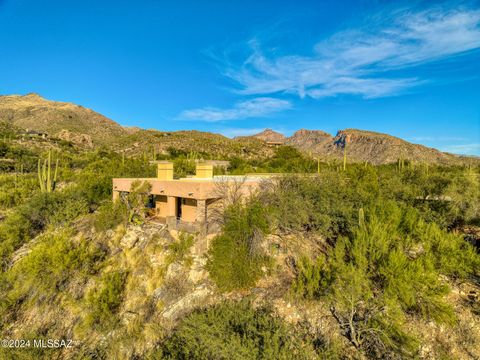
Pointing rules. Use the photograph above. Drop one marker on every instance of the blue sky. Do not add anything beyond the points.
(409, 69)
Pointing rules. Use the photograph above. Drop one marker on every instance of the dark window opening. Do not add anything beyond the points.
(179, 208)
(151, 202)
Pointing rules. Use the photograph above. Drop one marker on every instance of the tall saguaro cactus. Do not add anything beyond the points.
(345, 156)
(45, 179)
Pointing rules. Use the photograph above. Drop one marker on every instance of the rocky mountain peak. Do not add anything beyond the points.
(308, 139)
(270, 135)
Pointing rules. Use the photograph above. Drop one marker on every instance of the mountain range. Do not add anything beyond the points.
(87, 128)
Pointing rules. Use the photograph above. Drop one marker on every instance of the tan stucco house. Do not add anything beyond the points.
(189, 203)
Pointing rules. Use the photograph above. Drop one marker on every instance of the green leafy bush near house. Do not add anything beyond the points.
(110, 214)
(235, 256)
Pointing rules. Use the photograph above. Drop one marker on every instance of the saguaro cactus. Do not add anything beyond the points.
(154, 153)
(361, 217)
(345, 156)
(47, 183)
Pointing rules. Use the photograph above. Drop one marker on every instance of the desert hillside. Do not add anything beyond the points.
(359, 146)
(61, 119)
(90, 129)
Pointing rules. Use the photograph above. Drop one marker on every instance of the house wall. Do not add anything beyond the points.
(161, 205)
(200, 205)
(189, 210)
(185, 188)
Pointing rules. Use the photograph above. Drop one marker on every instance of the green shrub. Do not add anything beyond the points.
(109, 215)
(235, 256)
(104, 300)
(46, 270)
(180, 249)
(388, 267)
(326, 204)
(233, 331)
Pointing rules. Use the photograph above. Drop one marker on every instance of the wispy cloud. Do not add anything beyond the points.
(437, 138)
(362, 61)
(253, 108)
(464, 149)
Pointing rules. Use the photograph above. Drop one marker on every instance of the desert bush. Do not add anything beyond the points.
(136, 200)
(110, 214)
(180, 249)
(233, 331)
(95, 179)
(16, 189)
(104, 300)
(235, 256)
(327, 204)
(387, 268)
(54, 260)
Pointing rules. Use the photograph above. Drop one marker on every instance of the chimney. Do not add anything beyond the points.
(165, 170)
(204, 171)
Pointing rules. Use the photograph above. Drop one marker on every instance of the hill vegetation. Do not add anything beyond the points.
(86, 128)
(59, 119)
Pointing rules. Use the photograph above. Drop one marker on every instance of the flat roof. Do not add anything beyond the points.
(216, 178)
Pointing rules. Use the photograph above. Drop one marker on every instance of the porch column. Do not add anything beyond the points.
(171, 206)
(171, 216)
(201, 216)
(115, 195)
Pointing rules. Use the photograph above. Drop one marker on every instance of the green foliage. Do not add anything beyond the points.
(180, 249)
(286, 159)
(95, 179)
(44, 272)
(388, 267)
(34, 216)
(15, 189)
(136, 200)
(110, 214)
(104, 300)
(327, 203)
(235, 256)
(233, 331)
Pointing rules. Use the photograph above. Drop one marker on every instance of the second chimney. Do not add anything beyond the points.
(204, 171)
(165, 170)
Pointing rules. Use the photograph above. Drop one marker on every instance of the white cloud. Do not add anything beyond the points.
(253, 108)
(361, 61)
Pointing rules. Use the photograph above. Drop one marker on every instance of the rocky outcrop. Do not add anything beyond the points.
(78, 139)
(378, 148)
(269, 135)
(308, 140)
(361, 146)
